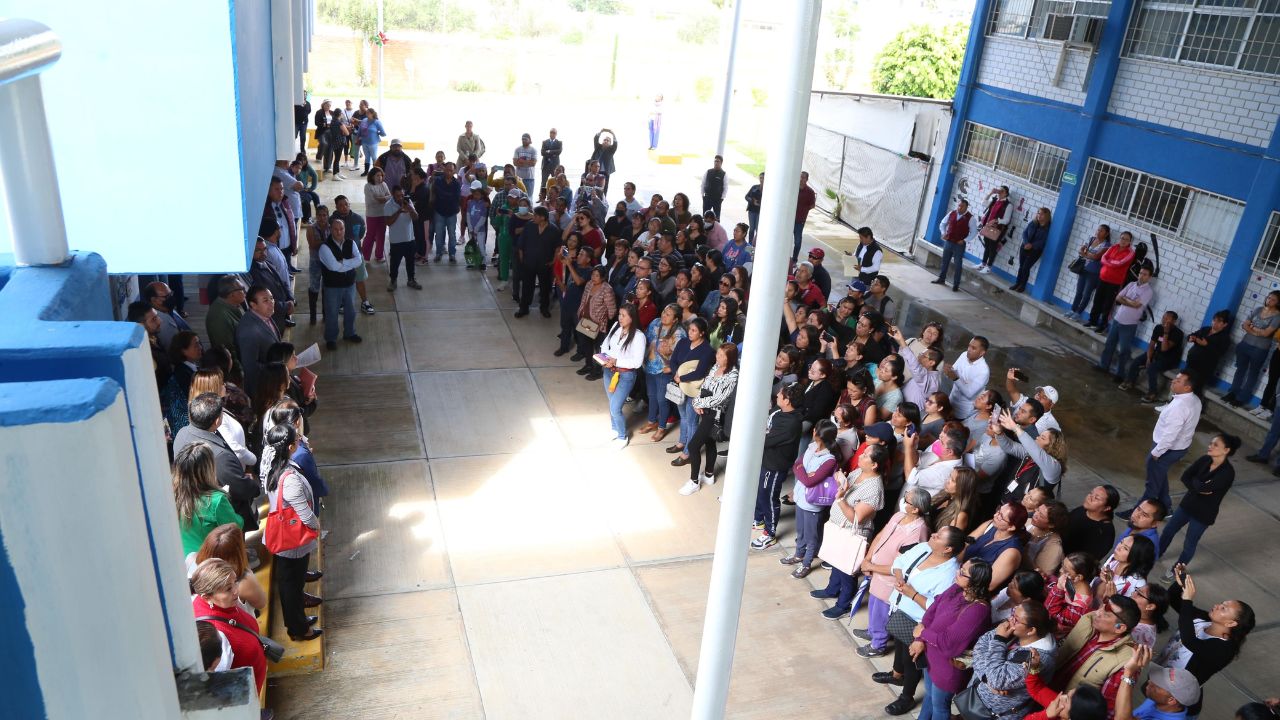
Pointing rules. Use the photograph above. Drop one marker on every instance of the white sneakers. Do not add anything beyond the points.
(501, 286)
(620, 443)
(984, 270)
(692, 486)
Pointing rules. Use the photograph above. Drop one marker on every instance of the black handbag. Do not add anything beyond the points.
(1077, 266)
(900, 625)
(969, 703)
(272, 649)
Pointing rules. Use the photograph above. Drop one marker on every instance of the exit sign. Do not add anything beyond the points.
(1069, 178)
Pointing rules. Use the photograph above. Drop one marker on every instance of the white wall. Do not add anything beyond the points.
(886, 122)
(976, 182)
(1028, 67)
(1228, 105)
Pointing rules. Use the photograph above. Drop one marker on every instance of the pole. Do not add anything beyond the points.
(27, 172)
(380, 108)
(728, 77)
(282, 77)
(789, 117)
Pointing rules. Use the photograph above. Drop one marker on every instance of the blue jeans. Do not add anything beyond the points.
(842, 587)
(799, 234)
(753, 222)
(1157, 486)
(334, 298)
(1249, 360)
(952, 252)
(1119, 340)
(1195, 529)
(937, 702)
(1086, 283)
(616, 397)
(370, 153)
(688, 421)
(1273, 436)
(659, 406)
(442, 224)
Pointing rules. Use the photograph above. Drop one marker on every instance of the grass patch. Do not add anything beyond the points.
(755, 157)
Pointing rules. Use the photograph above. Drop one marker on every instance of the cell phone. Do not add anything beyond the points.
(1019, 375)
(827, 336)
(911, 429)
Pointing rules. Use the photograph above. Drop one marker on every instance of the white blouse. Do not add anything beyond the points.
(630, 357)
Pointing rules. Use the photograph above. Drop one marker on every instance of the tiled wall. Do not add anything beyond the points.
(975, 182)
(1027, 66)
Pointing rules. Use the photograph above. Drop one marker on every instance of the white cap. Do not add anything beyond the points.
(477, 185)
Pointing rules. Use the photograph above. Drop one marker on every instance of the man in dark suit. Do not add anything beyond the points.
(263, 273)
(255, 333)
(535, 253)
(206, 416)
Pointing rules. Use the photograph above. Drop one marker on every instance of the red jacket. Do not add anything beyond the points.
(247, 649)
(1115, 264)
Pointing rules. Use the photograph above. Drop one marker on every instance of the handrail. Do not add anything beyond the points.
(26, 162)
(26, 48)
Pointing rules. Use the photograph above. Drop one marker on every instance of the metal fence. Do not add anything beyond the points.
(862, 184)
(1268, 259)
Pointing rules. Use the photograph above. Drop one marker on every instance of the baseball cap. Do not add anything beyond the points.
(395, 142)
(859, 286)
(1179, 683)
(817, 253)
(1050, 392)
(881, 431)
(477, 185)
(515, 193)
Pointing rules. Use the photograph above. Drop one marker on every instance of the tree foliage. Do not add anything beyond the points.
(922, 61)
(841, 31)
(600, 7)
(428, 15)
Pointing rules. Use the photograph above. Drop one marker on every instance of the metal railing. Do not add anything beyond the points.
(1242, 35)
(26, 161)
(1023, 157)
(1268, 259)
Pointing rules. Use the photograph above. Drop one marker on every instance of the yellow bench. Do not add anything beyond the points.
(300, 657)
(406, 144)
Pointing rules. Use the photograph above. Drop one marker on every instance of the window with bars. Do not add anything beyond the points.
(1237, 34)
(1014, 155)
(1268, 259)
(1193, 217)
(1075, 20)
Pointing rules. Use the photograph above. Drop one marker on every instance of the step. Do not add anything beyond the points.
(300, 658)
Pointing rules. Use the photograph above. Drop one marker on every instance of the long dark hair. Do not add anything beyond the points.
(1142, 557)
(729, 325)
(979, 589)
(631, 312)
(1245, 620)
(826, 431)
(273, 383)
(279, 438)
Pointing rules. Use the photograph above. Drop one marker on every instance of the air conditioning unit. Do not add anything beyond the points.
(1076, 30)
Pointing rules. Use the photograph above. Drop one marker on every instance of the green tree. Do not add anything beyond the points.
(922, 61)
(842, 31)
(600, 7)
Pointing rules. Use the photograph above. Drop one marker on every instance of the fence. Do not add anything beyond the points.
(862, 184)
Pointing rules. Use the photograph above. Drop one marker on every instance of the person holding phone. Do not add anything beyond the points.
(623, 351)
(1001, 655)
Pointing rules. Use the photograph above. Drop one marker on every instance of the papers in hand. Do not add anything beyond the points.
(310, 356)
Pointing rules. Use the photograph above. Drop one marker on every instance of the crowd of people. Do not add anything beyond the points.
(980, 579)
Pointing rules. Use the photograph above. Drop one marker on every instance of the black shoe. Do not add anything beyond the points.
(1258, 459)
(293, 270)
(901, 706)
(311, 576)
(583, 370)
(310, 601)
(313, 619)
(453, 260)
(312, 634)
(545, 312)
(673, 449)
(354, 339)
(577, 357)
(1275, 471)
(330, 345)
(363, 174)
(561, 352)
(593, 376)
(680, 461)
(939, 281)
(821, 595)
(886, 678)
(870, 651)
(290, 322)
(835, 612)
(521, 313)
(955, 288)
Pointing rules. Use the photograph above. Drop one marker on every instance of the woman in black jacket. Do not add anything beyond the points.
(322, 133)
(821, 392)
(1206, 641)
(1207, 480)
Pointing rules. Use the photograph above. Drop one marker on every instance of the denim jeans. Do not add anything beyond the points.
(1154, 370)
(1195, 529)
(659, 406)
(370, 153)
(753, 222)
(1086, 283)
(952, 252)
(799, 235)
(842, 587)
(1249, 360)
(1273, 436)
(688, 421)
(344, 297)
(1119, 341)
(1157, 485)
(442, 224)
(617, 396)
(937, 702)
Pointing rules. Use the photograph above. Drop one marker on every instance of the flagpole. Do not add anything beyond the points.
(381, 42)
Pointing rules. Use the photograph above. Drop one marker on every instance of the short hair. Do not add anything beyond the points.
(982, 340)
(1193, 379)
(1174, 313)
(280, 352)
(210, 644)
(276, 181)
(211, 576)
(1159, 506)
(340, 198)
(149, 290)
(256, 291)
(1223, 316)
(1088, 704)
(1035, 407)
(541, 212)
(229, 284)
(883, 280)
(955, 439)
(720, 158)
(138, 311)
(205, 410)
(1059, 515)
(866, 232)
(793, 394)
(1128, 613)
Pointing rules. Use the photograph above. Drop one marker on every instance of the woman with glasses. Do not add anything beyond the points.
(907, 528)
(999, 541)
(1000, 660)
(715, 295)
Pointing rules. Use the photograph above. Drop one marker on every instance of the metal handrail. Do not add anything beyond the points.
(26, 162)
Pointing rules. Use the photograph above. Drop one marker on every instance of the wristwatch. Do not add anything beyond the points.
(1128, 681)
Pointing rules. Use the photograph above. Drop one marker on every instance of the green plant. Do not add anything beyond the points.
(840, 35)
(831, 194)
(466, 86)
(699, 30)
(702, 89)
(430, 15)
(510, 78)
(759, 96)
(573, 36)
(602, 7)
(922, 61)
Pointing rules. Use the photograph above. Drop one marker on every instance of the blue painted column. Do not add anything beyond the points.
(960, 110)
(1102, 78)
(1237, 268)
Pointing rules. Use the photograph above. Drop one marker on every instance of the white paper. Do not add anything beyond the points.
(310, 356)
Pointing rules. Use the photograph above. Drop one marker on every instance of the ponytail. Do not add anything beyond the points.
(279, 438)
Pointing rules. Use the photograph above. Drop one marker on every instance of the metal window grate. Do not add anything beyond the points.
(1236, 34)
(1014, 155)
(1268, 259)
(1048, 19)
(1196, 218)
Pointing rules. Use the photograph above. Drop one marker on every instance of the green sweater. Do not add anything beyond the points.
(221, 324)
(212, 509)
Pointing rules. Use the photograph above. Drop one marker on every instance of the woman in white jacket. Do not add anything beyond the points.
(622, 354)
(713, 398)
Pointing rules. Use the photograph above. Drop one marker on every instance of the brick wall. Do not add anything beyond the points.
(1028, 66)
(976, 182)
(1228, 105)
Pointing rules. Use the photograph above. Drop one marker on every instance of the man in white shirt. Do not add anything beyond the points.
(1171, 438)
(969, 375)
(629, 197)
(339, 263)
(934, 466)
(1046, 395)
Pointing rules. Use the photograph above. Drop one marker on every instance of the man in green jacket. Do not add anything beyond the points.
(225, 313)
(1097, 648)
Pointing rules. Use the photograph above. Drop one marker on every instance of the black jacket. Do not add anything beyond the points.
(780, 441)
(242, 489)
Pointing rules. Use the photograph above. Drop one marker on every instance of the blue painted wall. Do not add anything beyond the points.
(255, 103)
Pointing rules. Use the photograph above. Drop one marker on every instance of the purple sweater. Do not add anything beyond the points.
(951, 626)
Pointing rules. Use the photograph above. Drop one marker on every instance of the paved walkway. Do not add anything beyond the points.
(489, 556)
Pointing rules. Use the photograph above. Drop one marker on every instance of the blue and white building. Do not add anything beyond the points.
(1154, 116)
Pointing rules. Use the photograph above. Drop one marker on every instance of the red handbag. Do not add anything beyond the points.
(285, 530)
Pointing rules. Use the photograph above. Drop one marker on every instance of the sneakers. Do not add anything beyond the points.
(414, 284)
(984, 270)
(1260, 459)
(763, 542)
(501, 286)
(1168, 575)
(620, 443)
(354, 339)
(757, 525)
(862, 634)
(367, 308)
(708, 479)
(801, 572)
(789, 560)
(692, 486)
(1124, 385)
(835, 612)
(868, 651)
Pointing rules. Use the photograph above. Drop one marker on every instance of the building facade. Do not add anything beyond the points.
(1160, 117)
